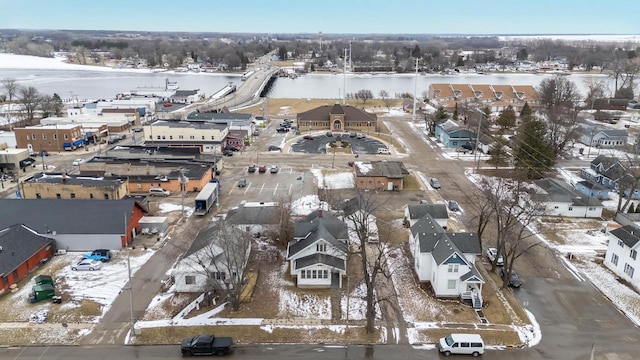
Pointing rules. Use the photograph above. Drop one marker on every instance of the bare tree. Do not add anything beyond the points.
(369, 250)
(596, 89)
(386, 99)
(364, 95)
(10, 88)
(222, 261)
(30, 100)
(513, 210)
(285, 225)
(559, 96)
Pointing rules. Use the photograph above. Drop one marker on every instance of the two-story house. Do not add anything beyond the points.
(446, 260)
(560, 199)
(622, 253)
(317, 254)
(453, 135)
(604, 170)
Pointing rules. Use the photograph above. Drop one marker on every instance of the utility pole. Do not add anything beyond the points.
(350, 58)
(183, 186)
(133, 320)
(415, 94)
(344, 79)
(475, 150)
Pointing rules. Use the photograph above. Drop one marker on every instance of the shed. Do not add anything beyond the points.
(154, 224)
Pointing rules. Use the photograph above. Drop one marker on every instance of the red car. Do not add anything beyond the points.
(308, 137)
(262, 169)
(167, 104)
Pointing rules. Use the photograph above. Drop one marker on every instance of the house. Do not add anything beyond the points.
(407, 105)
(603, 138)
(337, 118)
(495, 97)
(438, 212)
(453, 135)
(446, 260)
(255, 217)
(185, 96)
(317, 254)
(76, 224)
(208, 249)
(560, 199)
(21, 251)
(63, 186)
(380, 175)
(593, 190)
(622, 253)
(604, 170)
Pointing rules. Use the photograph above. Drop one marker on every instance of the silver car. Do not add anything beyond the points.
(86, 264)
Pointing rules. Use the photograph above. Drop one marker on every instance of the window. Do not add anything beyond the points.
(451, 284)
(314, 275)
(464, 344)
(55, 136)
(628, 270)
(620, 243)
(170, 137)
(321, 247)
(58, 196)
(213, 137)
(303, 274)
(90, 196)
(33, 136)
(453, 268)
(202, 137)
(220, 275)
(570, 208)
(66, 136)
(180, 137)
(106, 196)
(325, 274)
(614, 259)
(164, 137)
(192, 137)
(38, 196)
(633, 254)
(44, 136)
(189, 279)
(73, 195)
(159, 137)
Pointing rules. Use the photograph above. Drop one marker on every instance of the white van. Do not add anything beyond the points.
(470, 344)
(159, 192)
(383, 151)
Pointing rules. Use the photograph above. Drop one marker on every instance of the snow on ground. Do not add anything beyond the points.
(12, 61)
(357, 303)
(168, 207)
(395, 112)
(307, 204)
(333, 180)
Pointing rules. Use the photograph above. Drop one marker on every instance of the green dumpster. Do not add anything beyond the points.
(41, 292)
(43, 279)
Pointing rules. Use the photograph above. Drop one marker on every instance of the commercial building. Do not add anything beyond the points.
(380, 175)
(337, 118)
(63, 186)
(49, 137)
(209, 137)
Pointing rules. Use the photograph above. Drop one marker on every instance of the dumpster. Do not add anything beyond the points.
(41, 292)
(43, 279)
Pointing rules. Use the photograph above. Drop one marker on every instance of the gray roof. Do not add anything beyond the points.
(437, 211)
(88, 181)
(590, 185)
(68, 216)
(629, 234)
(612, 133)
(319, 258)
(181, 93)
(560, 191)
(319, 226)
(217, 116)
(188, 124)
(202, 239)
(324, 112)
(472, 273)
(429, 234)
(468, 243)
(263, 215)
(444, 249)
(19, 245)
(388, 169)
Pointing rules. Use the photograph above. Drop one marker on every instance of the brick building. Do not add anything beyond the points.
(63, 186)
(380, 175)
(337, 118)
(49, 137)
(21, 251)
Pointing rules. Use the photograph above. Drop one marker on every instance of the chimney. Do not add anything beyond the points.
(319, 212)
(64, 177)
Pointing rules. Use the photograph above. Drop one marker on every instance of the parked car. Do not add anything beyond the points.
(384, 151)
(167, 104)
(274, 169)
(491, 255)
(274, 148)
(262, 169)
(329, 134)
(288, 121)
(466, 344)
(256, 132)
(86, 264)
(206, 345)
(286, 125)
(77, 162)
(227, 153)
(252, 168)
(138, 129)
(308, 137)
(514, 281)
(453, 205)
(232, 148)
(102, 255)
(360, 136)
(242, 183)
(434, 183)
(353, 135)
(159, 192)
(282, 129)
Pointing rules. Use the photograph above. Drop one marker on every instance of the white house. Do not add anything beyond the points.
(438, 212)
(254, 217)
(446, 260)
(318, 252)
(209, 250)
(560, 199)
(622, 253)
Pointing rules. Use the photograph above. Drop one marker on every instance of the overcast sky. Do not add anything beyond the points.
(328, 16)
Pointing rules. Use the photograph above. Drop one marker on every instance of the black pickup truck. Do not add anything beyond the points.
(206, 345)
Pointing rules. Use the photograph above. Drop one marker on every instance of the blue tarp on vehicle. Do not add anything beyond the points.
(78, 142)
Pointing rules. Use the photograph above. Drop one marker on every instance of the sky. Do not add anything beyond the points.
(328, 16)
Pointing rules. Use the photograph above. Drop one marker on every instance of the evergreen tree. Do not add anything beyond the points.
(498, 154)
(282, 53)
(455, 113)
(460, 61)
(487, 112)
(507, 118)
(525, 113)
(441, 114)
(632, 209)
(530, 150)
(416, 52)
(638, 209)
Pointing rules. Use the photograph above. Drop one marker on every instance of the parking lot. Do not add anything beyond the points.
(320, 141)
(265, 187)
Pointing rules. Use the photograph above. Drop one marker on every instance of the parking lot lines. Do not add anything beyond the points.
(276, 189)
(260, 192)
(247, 188)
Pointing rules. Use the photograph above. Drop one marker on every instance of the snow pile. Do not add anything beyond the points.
(333, 180)
(363, 167)
(39, 317)
(167, 208)
(529, 334)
